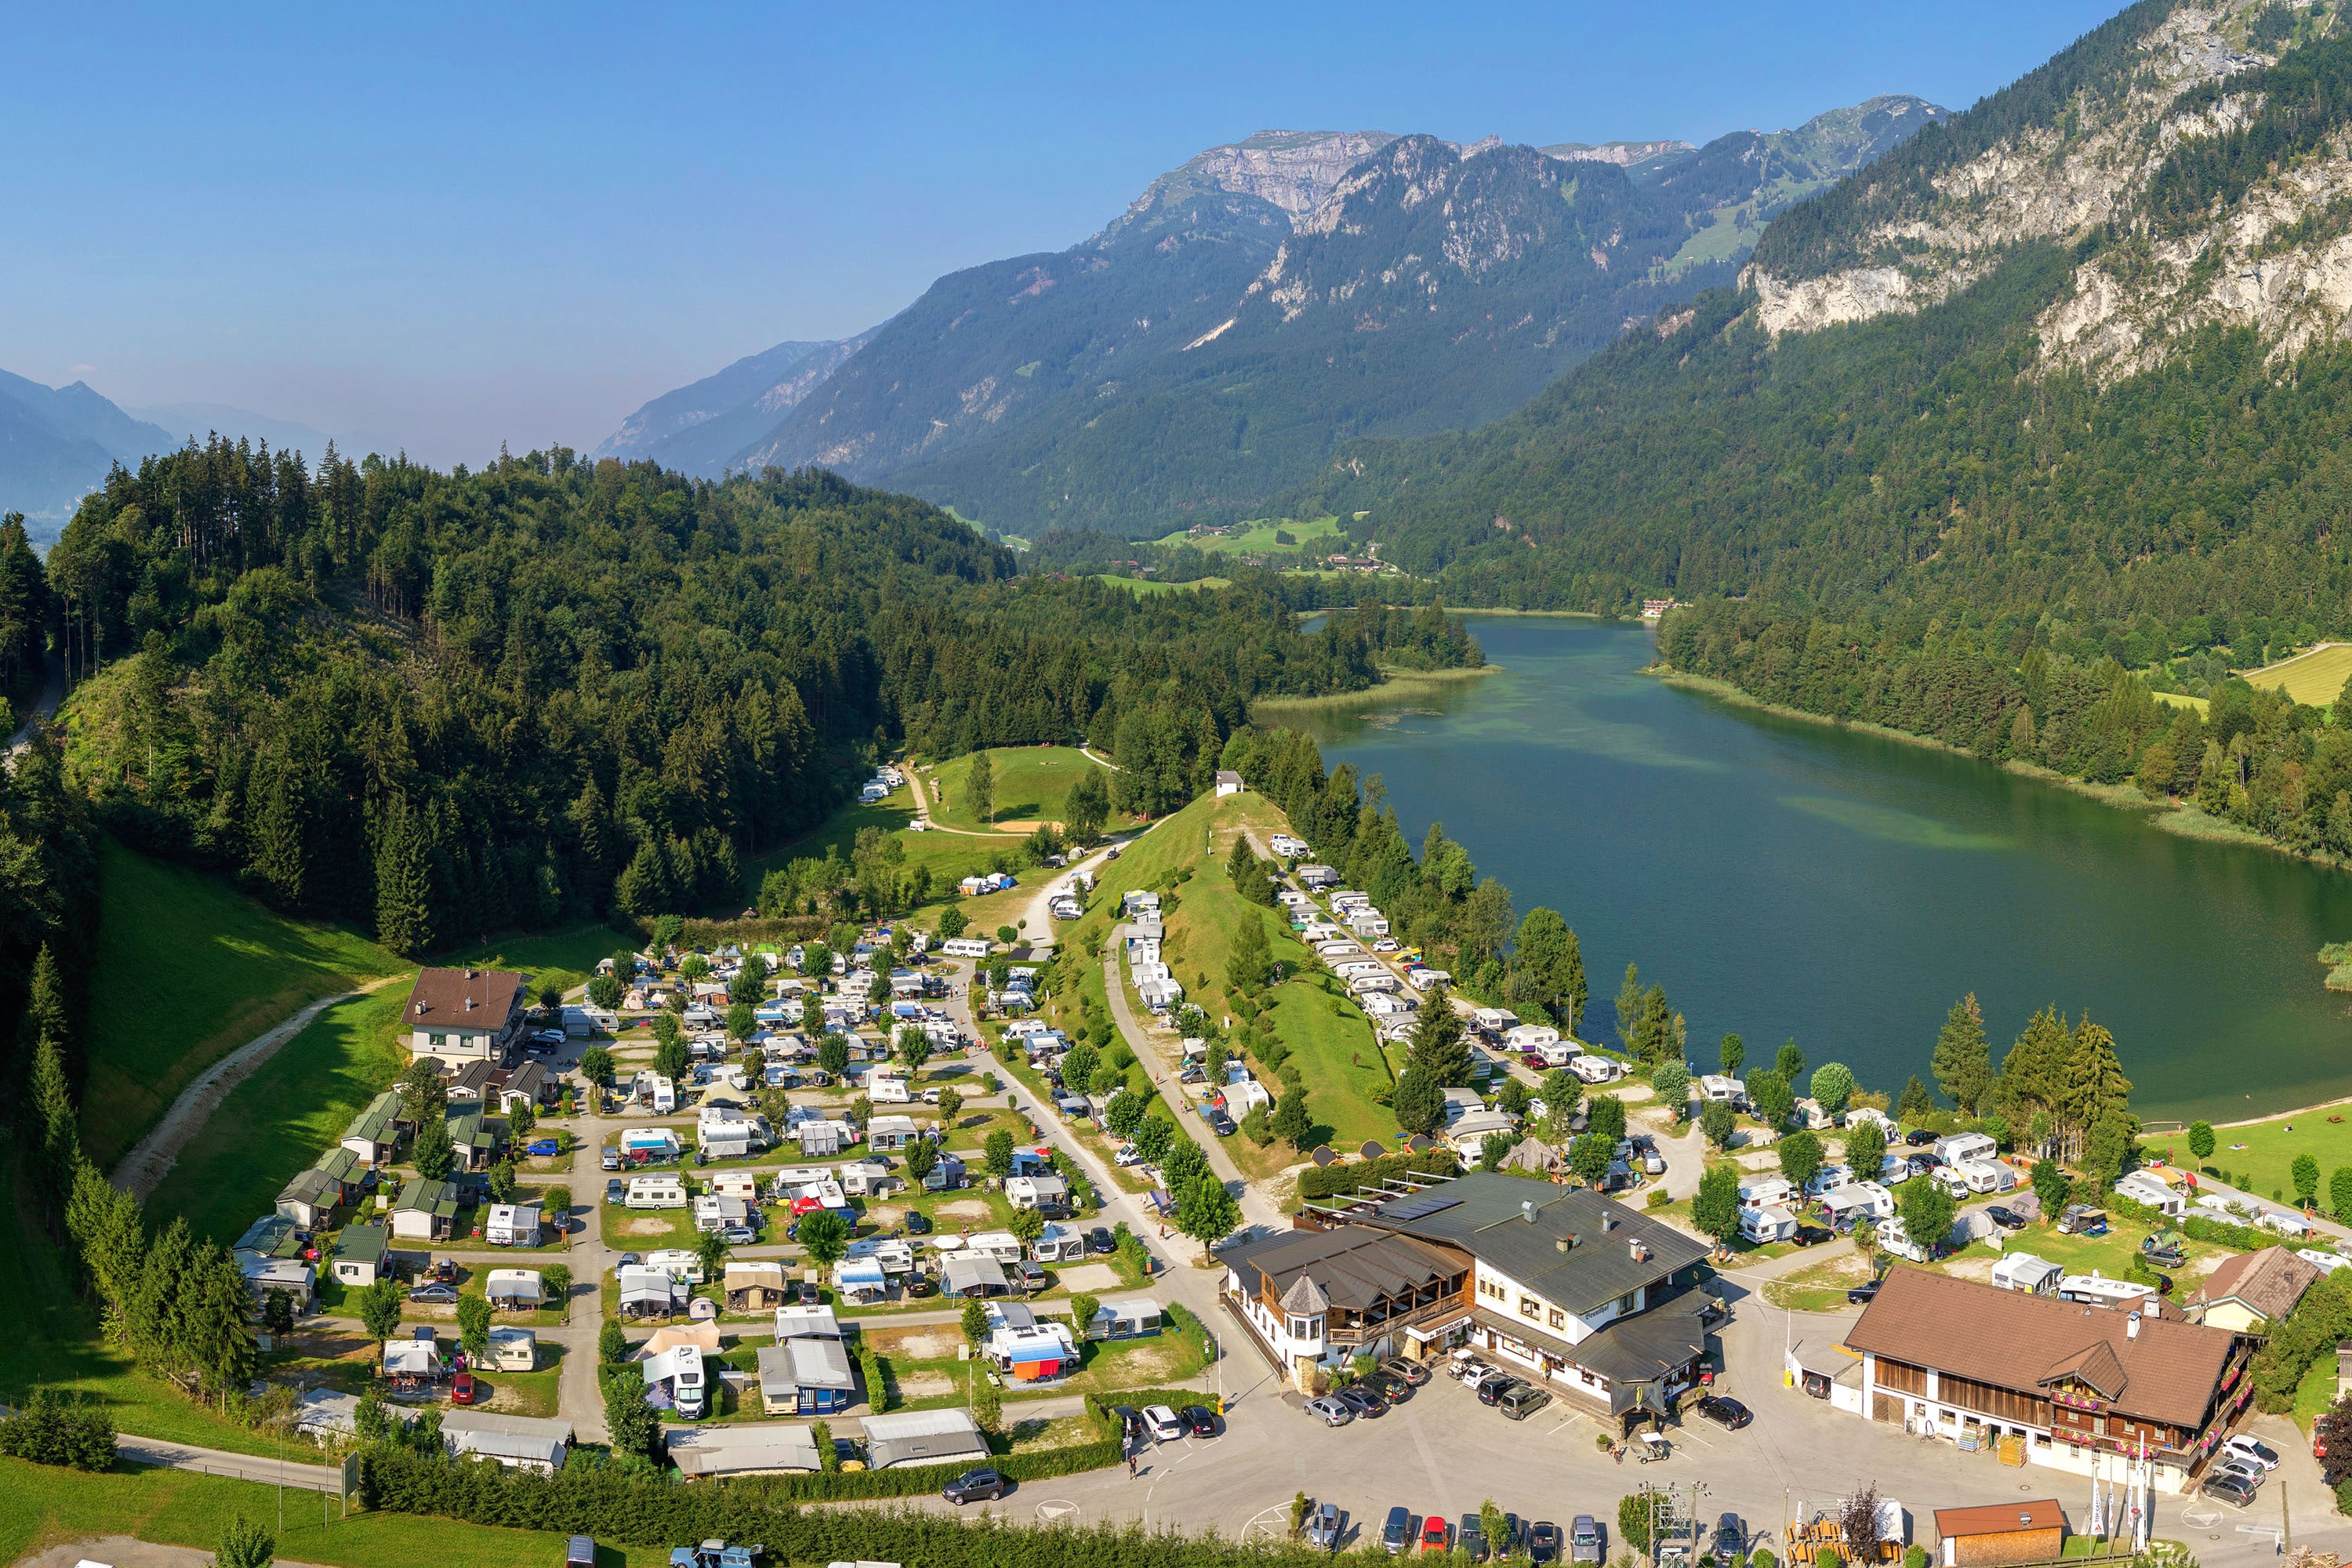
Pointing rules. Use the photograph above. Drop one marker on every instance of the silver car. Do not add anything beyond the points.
(1323, 1527)
(1329, 1411)
(1584, 1542)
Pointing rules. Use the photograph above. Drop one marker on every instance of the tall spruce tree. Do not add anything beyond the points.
(2092, 1086)
(403, 883)
(1963, 1059)
(2031, 1072)
(1441, 1050)
(56, 1145)
(979, 788)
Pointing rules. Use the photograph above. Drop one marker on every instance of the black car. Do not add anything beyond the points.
(976, 1486)
(1860, 1294)
(1470, 1538)
(1923, 1163)
(1730, 1538)
(1100, 1240)
(1492, 1389)
(1918, 1138)
(1199, 1420)
(2233, 1489)
(917, 1222)
(2007, 1219)
(1219, 1124)
(1361, 1403)
(1394, 1389)
(1726, 1412)
(1811, 1235)
(1543, 1543)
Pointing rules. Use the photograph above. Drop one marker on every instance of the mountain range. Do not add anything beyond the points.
(1256, 307)
(56, 445)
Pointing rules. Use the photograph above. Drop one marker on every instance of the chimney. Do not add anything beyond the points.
(1608, 1220)
(1527, 1210)
(1639, 1249)
(2131, 1327)
(1564, 1244)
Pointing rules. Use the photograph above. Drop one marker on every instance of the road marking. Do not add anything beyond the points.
(1055, 1510)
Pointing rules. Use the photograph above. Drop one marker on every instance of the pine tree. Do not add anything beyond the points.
(281, 833)
(44, 1017)
(2030, 1072)
(1419, 1102)
(1917, 1101)
(1574, 992)
(1291, 1122)
(1441, 1052)
(435, 1153)
(57, 1143)
(1629, 1011)
(1963, 1059)
(1249, 963)
(2091, 1085)
(979, 789)
(403, 884)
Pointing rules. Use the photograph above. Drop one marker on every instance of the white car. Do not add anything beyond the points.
(1388, 944)
(2253, 1450)
(1162, 1422)
(1329, 1411)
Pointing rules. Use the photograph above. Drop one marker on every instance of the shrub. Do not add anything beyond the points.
(51, 1430)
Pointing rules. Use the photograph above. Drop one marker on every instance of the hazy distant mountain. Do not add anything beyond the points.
(698, 429)
(1276, 297)
(56, 445)
(200, 421)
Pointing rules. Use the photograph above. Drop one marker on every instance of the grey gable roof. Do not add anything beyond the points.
(1351, 1266)
(1484, 1214)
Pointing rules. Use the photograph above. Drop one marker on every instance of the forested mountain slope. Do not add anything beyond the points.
(445, 704)
(2055, 391)
(1271, 299)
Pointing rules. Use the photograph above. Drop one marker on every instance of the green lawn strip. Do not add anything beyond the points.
(279, 1121)
(215, 969)
(1155, 585)
(40, 1505)
(1031, 784)
(2270, 1150)
(2315, 1394)
(950, 856)
(54, 1343)
(564, 958)
(1315, 536)
(530, 1393)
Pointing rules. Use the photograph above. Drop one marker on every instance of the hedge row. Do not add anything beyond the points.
(2221, 1231)
(641, 1508)
(1336, 1181)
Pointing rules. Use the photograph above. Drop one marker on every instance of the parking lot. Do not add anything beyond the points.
(1443, 1452)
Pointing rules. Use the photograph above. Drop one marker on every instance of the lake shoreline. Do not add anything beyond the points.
(2184, 819)
(1396, 686)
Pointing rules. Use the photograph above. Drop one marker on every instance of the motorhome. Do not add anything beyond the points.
(1894, 1238)
(1961, 1146)
(661, 1190)
(2095, 1290)
(1984, 1176)
(678, 1372)
(964, 947)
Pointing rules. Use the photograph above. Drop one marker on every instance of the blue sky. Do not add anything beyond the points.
(452, 231)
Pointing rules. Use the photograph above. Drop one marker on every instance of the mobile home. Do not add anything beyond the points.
(661, 1190)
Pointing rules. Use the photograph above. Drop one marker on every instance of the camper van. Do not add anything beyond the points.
(2095, 1290)
(680, 1367)
(663, 1190)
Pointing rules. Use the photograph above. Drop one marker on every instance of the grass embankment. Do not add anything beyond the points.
(277, 1121)
(191, 969)
(40, 1506)
(1396, 686)
(950, 856)
(1339, 1061)
(1032, 786)
(564, 959)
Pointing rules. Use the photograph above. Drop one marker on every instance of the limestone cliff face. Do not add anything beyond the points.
(2263, 259)
(1292, 172)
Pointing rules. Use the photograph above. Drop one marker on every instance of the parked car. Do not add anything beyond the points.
(1332, 1411)
(2246, 1471)
(1468, 1369)
(1434, 1535)
(1470, 1538)
(917, 1222)
(1725, 1411)
(1918, 1138)
(1522, 1400)
(2007, 1218)
(2252, 1449)
(615, 1190)
(1397, 1530)
(1860, 1294)
(738, 1235)
(2232, 1489)
(1412, 1372)
(1033, 1276)
(1199, 1420)
(1811, 1235)
(1730, 1538)
(1543, 1543)
(1323, 1527)
(1219, 1124)
(542, 1146)
(462, 1389)
(1162, 1424)
(611, 1158)
(1361, 1403)
(1099, 1240)
(435, 1294)
(1491, 1388)
(976, 1486)
(1389, 1386)
(1584, 1539)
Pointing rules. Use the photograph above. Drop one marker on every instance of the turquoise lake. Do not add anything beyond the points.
(1784, 878)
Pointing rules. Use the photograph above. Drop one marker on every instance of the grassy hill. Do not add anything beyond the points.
(1031, 783)
(2315, 679)
(189, 969)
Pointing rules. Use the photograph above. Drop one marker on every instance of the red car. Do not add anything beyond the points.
(461, 1391)
(1432, 1534)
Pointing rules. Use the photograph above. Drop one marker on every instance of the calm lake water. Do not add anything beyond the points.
(1786, 879)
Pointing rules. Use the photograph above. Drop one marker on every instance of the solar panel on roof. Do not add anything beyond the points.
(1420, 1208)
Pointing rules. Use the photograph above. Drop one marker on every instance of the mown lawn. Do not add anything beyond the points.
(564, 959)
(1031, 785)
(190, 969)
(39, 1506)
(950, 856)
(2269, 1150)
(277, 1121)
